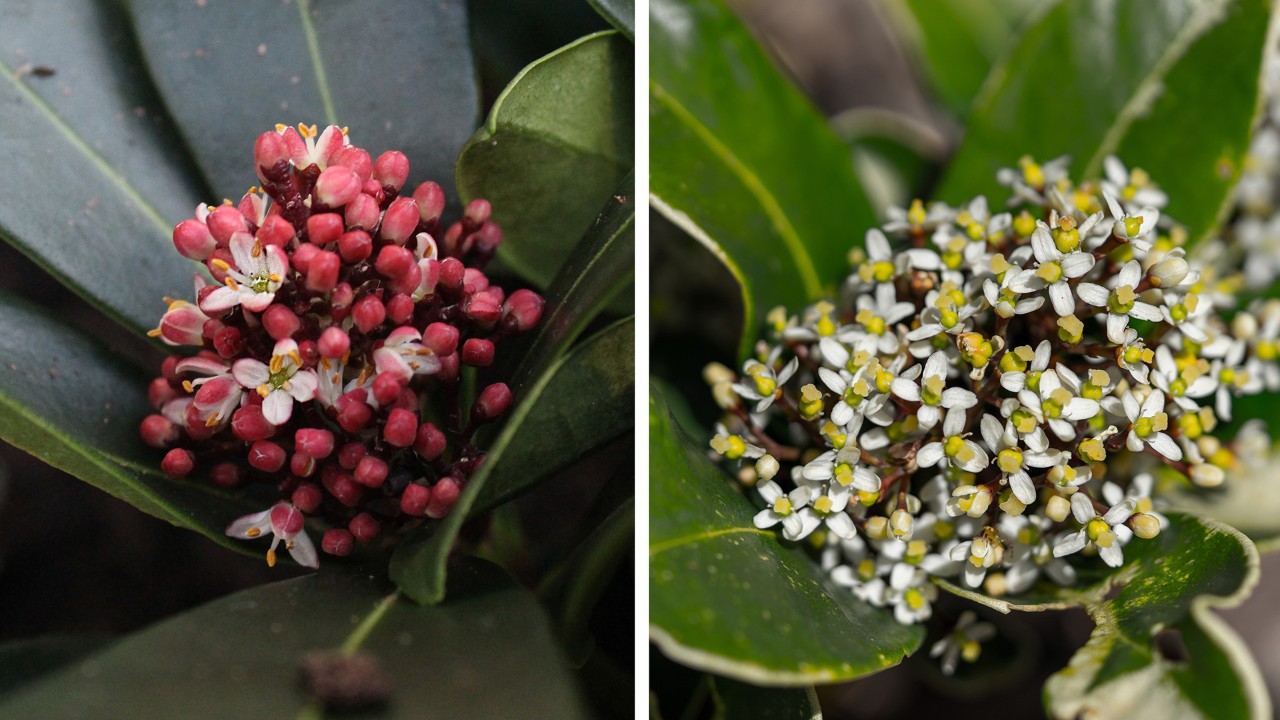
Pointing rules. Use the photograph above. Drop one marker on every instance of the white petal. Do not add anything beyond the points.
(1025, 282)
(992, 430)
(832, 380)
(936, 365)
(302, 386)
(1082, 508)
(833, 352)
(1042, 245)
(240, 528)
(303, 551)
(1131, 407)
(1146, 311)
(842, 525)
(1095, 295)
(277, 408)
(1022, 487)
(929, 455)
(878, 246)
(1119, 513)
(770, 491)
(1116, 325)
(1080, 409)
(905, 389)
(865, 480)
(923, 332)
(1130, 274)
(1077, 264)
(928, 416)
(958, 398)
(1165, 445)
(250, 373)
(842, 413)
(973, 575)
(1060, 297)
(1068, 544)
(219, 300)
(1113, 555)
(1013, 381)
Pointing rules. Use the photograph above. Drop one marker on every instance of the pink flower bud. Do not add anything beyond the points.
(483, 307)
(430, 199)
(226, 475)
(441, 338)
(178, 463)
(449, 366)
(407, 282)
(474, 280)
(183, 324)
(401, 428)
(477, 352)
(337, 541)
(362, 212)
(266, 456)
(324, 228)
(341, 486)
(487, 239)
(353, 412)
(443, 497)
(430, 442)
(269, 150)
(386, 388)
(249, 424)
(158, 431)
(193, 239)
(301, 258)
(219, 275)
(371, 471)
(414, 499)
(451, 274)
(309, 354)
(477, 213)
(307, 497)
(341, 298)
(400, 220)
(169, 370)
(368, 313)
(334, 343)
(364, 527)
(357, 159)
(322, 273)
(524, 308)
(280, 322)
(355, 246)
(224, 222)
(373, 189)
(393, 261)
(316, 442)
(391, 169)
(407, 399)
(400, 309)
(160, 391)
(494, 400)
(453, 241)
(276, 231)
(302, 465)
(228, 342)
(336, 186)
(351, 454)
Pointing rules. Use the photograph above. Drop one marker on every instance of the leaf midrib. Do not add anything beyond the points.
(317, 61)
(665, 545)
(768, 202)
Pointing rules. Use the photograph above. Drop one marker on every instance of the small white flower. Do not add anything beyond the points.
(280, 383)
(1134, 356)
(1013, 460)
(1149, 423)
(841, 468)
(1054, 270)
(1133, 187)
(1016, 380)
(981, 553)
(954, 449)
(911, 594)
(1056, 406)
(785, 509)
(1107, 532)
(258, 273)
(1121, 302)
(965, 640)
(1135, 228)
(765, 383)
(932, 392)
(285, 523)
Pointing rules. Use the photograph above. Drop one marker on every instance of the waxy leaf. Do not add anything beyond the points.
(557, 143)
(730, 599)
(740, 701)
(1130, 78)
(398, 73)
(621, 13)
(95, 175)
(1132, 664)
(68, 401)
(579, 404)
(239, 657)
(743, 163)
(594, 275)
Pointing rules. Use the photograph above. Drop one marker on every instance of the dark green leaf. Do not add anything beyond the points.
(398, 73)
(580, 403)
(896, 155)
(594, 273)
(239, 657)
(742, 162)
(69, 402)
(740, 701)
(1129, 78)
(24, 661)
(1168, 584)
(730, 599)
(557, 143)
(622, 13)
(574, 591)
(957, 41)
(95, 176)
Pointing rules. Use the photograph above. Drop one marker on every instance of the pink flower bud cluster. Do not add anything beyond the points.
(337, 323)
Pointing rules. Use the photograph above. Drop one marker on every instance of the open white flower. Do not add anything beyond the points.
(1054, 271)
(286, 524)
(964, 640)
(1121, 301)
(1149, 423)
(954, 449)
(1107, 532)
(1014, 460)
(932, 392)
(1133, 187)
(765, 383)
(280, 383)
(258, 273)
(1136, 228)
(785, 508)
(1055, 405)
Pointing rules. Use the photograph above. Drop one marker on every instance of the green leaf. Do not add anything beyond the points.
(740, 701)
(1129, 78)
(728, 598)
(595, 272)
(957, 41)
(558, 141)
(621, 13)
(895, 154)
(24, 661)
(743, 163)
(1168, 583)
(580, 403)
(239, 656)
(397, 73)
(68, 401)
(95, 176)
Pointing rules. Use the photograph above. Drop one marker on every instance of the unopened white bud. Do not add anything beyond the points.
(1244, 326)
(767, 467)
(1207, 475)
(1170, 271)
(1057, 509)
(900, 523)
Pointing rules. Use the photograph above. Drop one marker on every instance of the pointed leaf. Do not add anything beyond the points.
(66, 400)
(593, 276)
(558, 141)
(96, 177)
(740, 701)
(239, 656)
(397, 73)
(1129, 78)
(728, 598)
(621, 13)
(743, 163)
(580, 403)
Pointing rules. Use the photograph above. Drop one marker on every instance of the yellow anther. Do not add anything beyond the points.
(252, 532)
(186, 385)
(271, 557)
(213, 420)
(276, 364)
(295, 357)
(916, 214)
(154, 333)
(221, 264)
(264, 391)
(257, 249)
(231, 283)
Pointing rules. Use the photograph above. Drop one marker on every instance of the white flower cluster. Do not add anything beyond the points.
(992, 393)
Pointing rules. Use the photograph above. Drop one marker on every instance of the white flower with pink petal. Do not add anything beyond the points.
(279, 383)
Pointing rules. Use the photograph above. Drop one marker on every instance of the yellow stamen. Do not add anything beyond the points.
(213, 420)
(186, 385)
(252, 532)
(153, 333)
(221, 264)
(271, 557)
(264, 391)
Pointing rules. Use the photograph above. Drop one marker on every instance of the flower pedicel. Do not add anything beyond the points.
(993, 393)
(337, 322)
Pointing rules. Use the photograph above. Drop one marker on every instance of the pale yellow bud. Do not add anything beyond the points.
(766, 467)
(1207, 475)
(1057, 509)
(1145, 526)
